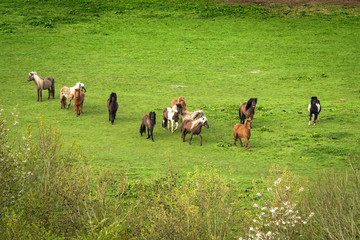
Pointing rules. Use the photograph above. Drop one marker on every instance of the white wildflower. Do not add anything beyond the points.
(301, 189)
(255, 205)
(263, 208)
(15, 123)
(258, 194)
(287, 188)
(269, 189)
(24, 138)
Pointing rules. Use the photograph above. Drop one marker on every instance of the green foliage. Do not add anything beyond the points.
(335, 199)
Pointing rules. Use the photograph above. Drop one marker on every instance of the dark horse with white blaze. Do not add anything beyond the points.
(314, 108)
(42, 84)
(247, 110)
(112, 105)
(193, 127)
(149, 121)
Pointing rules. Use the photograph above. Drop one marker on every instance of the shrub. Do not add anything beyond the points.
(335, 199)
(278, 214)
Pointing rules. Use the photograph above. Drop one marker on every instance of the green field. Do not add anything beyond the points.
(216, 56)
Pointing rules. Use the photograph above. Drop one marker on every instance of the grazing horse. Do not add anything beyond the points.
(180, 100)
(193, 127)
(314, 108)
(247, 110)
(149, 121)
(112, 105)
(243, 131)
(78, 101)
(68, 93)
(42, 84)
(172, 114)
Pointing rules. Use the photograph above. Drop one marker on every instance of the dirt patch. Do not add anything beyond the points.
(296, 2)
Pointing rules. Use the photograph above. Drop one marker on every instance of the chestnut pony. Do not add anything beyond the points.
(78, 101)
(180, 100)
(243, 131)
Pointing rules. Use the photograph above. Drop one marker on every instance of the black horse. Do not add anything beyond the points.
(149, 121)
(314, 108)
(112, 105)
(247, 110)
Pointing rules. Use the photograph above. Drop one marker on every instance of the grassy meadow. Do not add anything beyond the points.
(216, 56)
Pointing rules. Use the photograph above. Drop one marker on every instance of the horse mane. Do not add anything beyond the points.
(33, 73)
(152, 116)
(196, 122)
(197, 114)
(249, 103)
(113, 95)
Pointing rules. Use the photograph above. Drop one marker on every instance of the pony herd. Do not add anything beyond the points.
(190, 122)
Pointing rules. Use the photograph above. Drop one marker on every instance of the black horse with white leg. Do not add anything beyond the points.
(314, 109)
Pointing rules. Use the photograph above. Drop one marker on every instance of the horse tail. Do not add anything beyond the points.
(142, 129)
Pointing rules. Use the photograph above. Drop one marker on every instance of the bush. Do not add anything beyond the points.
(335, 199)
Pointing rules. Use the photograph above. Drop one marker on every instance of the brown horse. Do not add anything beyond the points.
(42, 84)
(243, 131)
(78, 101)
(180, 100)
(193, 127)
(172, 114)
(149, 121)
(112, 105)
(247, 110)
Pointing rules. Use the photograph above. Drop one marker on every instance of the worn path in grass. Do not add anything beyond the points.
(215, 62)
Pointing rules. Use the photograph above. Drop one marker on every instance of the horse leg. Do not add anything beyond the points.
(240, 141)
(172, 126)
(315, 117)
(177, 124)
(152, 135)
(69, 104)
(148, 133)
(247, 144)
(183, 134)
(235, 137)
(190, 138)
(200, 139)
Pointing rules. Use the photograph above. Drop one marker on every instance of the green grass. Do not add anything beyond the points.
(216, 56)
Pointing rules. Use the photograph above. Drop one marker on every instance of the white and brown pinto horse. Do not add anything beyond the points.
(172, 114)
(193, 127)
(68, 93)
(42, 84)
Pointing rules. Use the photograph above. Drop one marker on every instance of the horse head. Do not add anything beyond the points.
(113, 97)
(248, 123)
(179, 108)
(314, 100)
(152, 116)
(31, 76)
(204, 122)
(251, 103)
(81, 86)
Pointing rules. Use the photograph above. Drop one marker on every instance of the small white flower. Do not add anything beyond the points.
(268, 234)
(15, 123)
(269, 189)
(258, 194)
(263, 208)
(301, 189)
(255, 205)
(287, 188)
(252, 229)
(24, 138)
